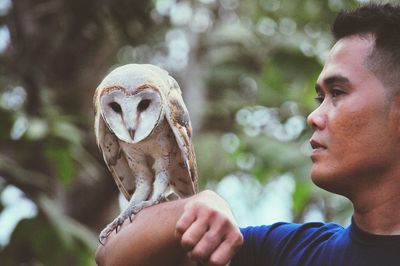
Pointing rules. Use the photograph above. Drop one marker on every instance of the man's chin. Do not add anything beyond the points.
(329, 183)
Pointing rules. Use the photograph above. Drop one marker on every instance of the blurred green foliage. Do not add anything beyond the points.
(247, 71)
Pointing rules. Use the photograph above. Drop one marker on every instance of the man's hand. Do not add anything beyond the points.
(207, 230)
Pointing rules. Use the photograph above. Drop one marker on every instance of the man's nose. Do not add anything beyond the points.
(317, 119)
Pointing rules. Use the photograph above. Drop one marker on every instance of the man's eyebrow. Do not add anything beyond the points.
(335, 79)
(328, 82)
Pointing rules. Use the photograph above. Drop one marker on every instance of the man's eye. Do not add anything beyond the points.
(319, 98)
(336, 92)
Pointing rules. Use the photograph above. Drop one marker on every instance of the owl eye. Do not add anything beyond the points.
(116, 107)
(143, 105)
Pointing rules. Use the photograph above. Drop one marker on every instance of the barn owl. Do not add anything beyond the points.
(143, 130)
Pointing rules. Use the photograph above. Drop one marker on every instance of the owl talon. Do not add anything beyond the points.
(102, 237)
(161, 198)
(115, 225)
(118, 224)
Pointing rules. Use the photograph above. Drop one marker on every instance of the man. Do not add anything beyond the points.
(356, 153)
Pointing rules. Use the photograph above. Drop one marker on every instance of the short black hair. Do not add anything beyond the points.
(383, 23)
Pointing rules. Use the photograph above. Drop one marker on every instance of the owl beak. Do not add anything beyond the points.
(132, 133)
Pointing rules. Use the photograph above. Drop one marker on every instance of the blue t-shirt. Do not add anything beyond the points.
(315, 244)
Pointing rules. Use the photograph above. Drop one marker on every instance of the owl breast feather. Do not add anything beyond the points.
(160, 152)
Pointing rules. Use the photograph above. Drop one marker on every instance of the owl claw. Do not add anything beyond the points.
(115, 225)
(162, 198)
(101, 238)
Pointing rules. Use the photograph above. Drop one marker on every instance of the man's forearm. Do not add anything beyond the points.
(148, 240)
(199, 228)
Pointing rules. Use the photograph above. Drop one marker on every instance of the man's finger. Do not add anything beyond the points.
(223, 254)
(206, 245)
(193, 234)
(226, 250)
(187, 218)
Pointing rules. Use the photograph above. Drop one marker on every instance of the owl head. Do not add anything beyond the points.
(131, 101)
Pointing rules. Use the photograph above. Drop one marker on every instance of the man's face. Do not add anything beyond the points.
(354, 131)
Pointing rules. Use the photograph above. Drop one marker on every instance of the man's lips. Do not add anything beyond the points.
(317, 149)
(316, 145)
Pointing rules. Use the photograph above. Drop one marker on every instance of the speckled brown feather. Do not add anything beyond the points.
(179, 120)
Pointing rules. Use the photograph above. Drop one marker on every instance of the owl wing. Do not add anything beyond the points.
(114, 157)
(178, 119)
